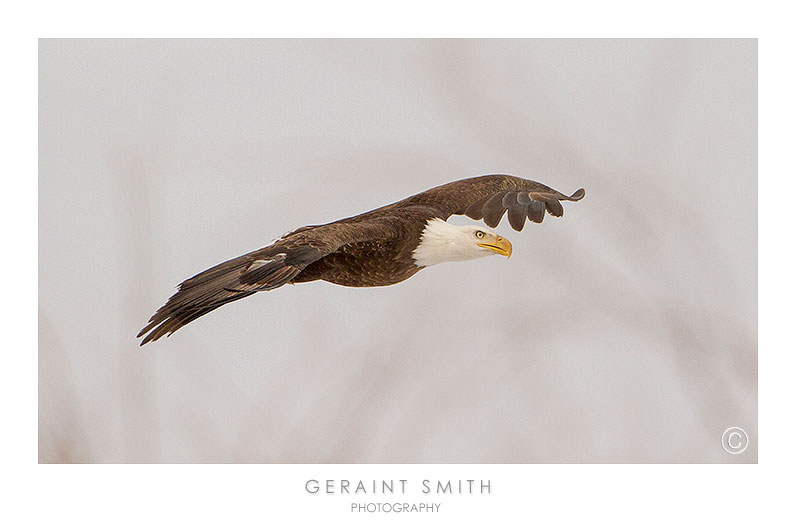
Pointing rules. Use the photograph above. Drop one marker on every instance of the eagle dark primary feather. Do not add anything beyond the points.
(197, 296)
(494, 209)
(516, 215)
(262, 270)
(536, 210)
(378, 248)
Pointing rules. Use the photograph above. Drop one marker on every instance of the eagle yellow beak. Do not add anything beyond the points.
(499, 245)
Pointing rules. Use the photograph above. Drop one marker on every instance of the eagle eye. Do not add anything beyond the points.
(479, 234)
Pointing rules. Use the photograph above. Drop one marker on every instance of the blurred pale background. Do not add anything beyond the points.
(624, 332)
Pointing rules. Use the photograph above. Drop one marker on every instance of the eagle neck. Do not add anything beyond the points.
(440, 242)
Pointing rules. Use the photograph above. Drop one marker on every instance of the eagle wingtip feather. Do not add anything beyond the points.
(577, 195)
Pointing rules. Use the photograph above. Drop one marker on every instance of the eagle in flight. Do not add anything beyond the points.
(377, 248)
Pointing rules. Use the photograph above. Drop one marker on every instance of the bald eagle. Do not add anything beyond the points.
(378, 248)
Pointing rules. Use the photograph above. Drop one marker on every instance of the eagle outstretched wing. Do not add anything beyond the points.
(490, 196)
(262, 270)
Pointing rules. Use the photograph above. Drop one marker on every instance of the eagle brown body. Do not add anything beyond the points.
(371, 249)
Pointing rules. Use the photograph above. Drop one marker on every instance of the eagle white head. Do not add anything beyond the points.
(443, 242)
